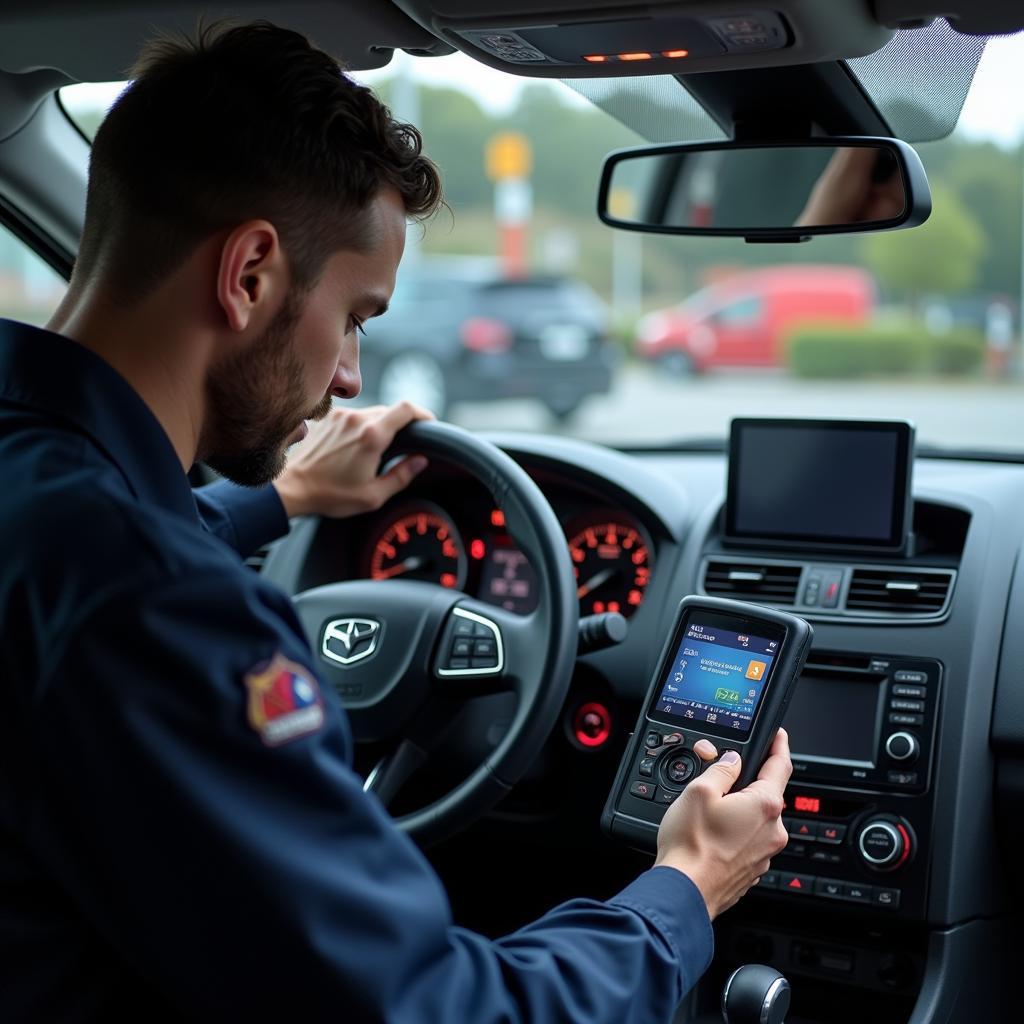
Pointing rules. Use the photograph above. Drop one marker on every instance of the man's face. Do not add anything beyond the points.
(258, 400)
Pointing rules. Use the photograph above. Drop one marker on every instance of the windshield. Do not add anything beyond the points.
(655, 340)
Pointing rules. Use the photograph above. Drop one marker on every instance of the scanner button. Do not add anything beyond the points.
(680, 768)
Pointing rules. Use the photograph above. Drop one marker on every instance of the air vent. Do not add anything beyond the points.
(905, 594)
(769, 582)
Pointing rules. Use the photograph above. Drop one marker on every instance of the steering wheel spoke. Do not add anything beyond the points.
(484, 649)
(400, 653)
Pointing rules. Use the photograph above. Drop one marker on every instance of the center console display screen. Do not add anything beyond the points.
(833, 718)
(717, 676)
(813, 482)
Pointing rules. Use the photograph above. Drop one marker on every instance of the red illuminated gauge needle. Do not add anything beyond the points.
(408, 565)
(594, 582)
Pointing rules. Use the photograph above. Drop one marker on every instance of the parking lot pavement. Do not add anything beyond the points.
(646, 406)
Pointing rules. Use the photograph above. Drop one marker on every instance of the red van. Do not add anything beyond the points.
(744, 319)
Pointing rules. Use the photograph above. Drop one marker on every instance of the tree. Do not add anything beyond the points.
(942, 256)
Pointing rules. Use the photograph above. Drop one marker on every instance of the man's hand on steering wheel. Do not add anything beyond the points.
(333, 472)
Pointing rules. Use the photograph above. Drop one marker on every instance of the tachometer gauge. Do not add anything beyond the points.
(612, 560)
(420, 543)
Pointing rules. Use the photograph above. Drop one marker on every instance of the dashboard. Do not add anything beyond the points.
(908, 790)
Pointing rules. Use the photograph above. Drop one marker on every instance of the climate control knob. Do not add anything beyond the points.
(885, 843)
(902, 747)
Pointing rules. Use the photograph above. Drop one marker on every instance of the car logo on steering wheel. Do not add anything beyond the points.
(347, 641)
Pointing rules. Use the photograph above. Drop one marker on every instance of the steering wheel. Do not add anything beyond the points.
(403, 654)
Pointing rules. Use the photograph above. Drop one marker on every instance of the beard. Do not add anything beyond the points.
(255, 401)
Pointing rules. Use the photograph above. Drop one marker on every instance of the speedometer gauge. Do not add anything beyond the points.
(420, 543)
(611, 558)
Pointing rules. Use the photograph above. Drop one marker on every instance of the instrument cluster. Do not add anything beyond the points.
(419, 539)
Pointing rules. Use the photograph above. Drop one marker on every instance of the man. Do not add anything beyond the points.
(164, 852)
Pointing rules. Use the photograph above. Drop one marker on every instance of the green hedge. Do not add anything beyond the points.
(882, 351)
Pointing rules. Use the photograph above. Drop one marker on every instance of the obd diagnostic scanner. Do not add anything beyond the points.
(726, 674)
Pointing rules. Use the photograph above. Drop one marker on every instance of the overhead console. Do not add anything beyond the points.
(605, 38)
(835, 497)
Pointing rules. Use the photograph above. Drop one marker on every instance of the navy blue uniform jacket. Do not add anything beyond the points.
(158, 859)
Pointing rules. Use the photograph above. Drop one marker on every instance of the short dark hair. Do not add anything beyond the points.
(242, 122)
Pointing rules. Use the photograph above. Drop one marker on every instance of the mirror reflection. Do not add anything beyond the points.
(758, 188)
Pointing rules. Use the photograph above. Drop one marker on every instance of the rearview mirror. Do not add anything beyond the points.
(766, 191)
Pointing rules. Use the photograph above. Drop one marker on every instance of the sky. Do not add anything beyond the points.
(994, 108)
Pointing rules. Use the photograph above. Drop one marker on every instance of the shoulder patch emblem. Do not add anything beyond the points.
(284, 701)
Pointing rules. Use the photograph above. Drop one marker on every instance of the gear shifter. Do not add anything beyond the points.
(755, 994)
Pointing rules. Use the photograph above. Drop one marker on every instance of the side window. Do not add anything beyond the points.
(742, 312)
(29, 288)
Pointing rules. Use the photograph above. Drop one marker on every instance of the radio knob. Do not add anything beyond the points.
(902, 747)
(885, 845)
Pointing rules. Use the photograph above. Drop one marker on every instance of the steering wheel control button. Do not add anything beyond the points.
(665, 796)
(680, 767)
(646, 766)
(643, 790)
(652, 740)
(902, 747)
(471, 646)
(833, 834)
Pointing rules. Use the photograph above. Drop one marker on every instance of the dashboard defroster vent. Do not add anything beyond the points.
(772, 583)
(904, 593)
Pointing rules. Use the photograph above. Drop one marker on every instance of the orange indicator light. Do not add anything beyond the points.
(596, 58)
(634, 56)
(675, 53)
(497, 517)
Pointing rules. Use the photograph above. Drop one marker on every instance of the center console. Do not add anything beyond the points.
(858, 810)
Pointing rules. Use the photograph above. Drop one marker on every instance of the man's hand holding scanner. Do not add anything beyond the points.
(723, 841)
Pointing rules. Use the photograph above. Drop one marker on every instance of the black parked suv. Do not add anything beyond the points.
(458, 331)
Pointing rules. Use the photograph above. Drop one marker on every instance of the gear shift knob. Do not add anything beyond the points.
(755, 994)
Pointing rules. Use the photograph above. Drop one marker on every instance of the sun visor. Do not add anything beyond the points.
(615, 39)
(97, 42)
